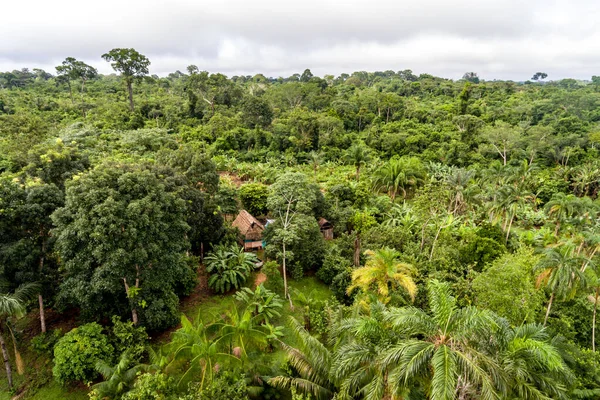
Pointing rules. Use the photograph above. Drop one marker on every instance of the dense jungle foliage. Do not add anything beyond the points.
(464, 262)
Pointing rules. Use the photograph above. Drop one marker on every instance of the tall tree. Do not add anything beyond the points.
(290, 195)
(442, 345)
(131, 64)
(12, 305)
(559, 270)
(122, 236)
(72, 69)
(357, 155)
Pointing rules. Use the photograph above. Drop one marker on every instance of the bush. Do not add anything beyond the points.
(229, 268)
(127, 336)
(339, 286)
(44, 342)
(274, 280)
(333, 264)
(152, 387)
(76, 354)
(225, 386)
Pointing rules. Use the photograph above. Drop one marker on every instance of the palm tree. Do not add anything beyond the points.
(512, 198)
(442, 348)
(586, 178)
(400, 175)
(192, 344)
(312, 362)
(241, 330)
(264, 303)
(384, 272)
(534, 365)
(315, 160)
(358, 368)
(357, 155)
(13, 305)
(560, 272)
(561, 206)
(462, 190)
(118, 378)
(593, 278)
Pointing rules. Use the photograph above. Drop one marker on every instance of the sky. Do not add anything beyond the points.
(498, 39)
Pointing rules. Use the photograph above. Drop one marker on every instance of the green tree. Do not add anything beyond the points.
(358, 155)
(12, 305)
(400, 174)
(442, 346)
(559, 270)
(192, 344)
(72, 69)
(291, 194)
(503, 138)
(118, 379)
(384, 273)
(131, 64)
(121, 236)
(312, 362)
(507, 287)
(561, 206)
(264, 303)
(254, 198)
(361, 222)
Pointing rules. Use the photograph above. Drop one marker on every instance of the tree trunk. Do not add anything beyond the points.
(358, 173)
(71, 93)
(6, 362)
(437, 235)
(285, 286)
(40, 298)
(594, 321)
(82, 98)
(509, 226)
(548, 309)
(357, 251)
(130, 90)
(134, 314)
(42, 313)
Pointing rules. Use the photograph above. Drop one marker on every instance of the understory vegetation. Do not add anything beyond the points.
(423, 238)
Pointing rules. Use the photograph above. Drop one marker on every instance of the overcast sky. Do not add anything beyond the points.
(498, 39)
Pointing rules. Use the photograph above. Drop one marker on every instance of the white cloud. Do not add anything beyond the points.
(499, 39)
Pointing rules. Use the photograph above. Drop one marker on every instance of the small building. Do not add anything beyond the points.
(251, 230)
(326, 229)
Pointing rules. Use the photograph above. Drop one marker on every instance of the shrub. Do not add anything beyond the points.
(274, 280)
(44, 342)
(127, 336)
(333, 264)
(225, 386)
(152, 387)
(76, 354)
(339, 287)
(229, 268)
(264, 303)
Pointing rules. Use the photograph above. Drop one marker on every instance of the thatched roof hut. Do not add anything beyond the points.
(326, 229)
(251, 230)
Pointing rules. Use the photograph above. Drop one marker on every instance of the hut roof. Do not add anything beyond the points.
(245, 222)
(323, 223)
